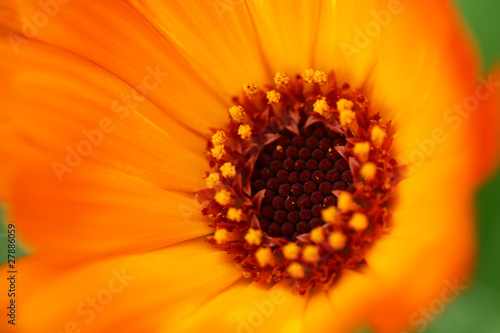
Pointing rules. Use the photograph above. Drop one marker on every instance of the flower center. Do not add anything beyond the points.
(302, 180)
(298, 174)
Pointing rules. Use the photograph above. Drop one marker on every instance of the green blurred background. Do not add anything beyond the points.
(478, 309)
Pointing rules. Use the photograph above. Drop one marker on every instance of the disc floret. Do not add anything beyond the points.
(302, 180)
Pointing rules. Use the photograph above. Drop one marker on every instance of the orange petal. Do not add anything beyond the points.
(216, 38)
(344, 307)
(484, 129)
(247, 307)
(128, 293)
(72, 112)
(430, 246)
(129, 46)
(98, 211)
(427, 86)
(339, 46)
(413, 76)
(287, 32)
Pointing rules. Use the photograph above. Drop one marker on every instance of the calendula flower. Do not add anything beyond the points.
(253, 166)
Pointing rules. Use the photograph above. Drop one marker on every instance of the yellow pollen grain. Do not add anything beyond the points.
(264, 257)
(344, 104)
(320, 77)
(234, 214)
(249, 88)
(244, 131)
(311, 253)
(219, 138)
(362, 151)
(223, 197)
(218, 152)
(296, 270)
(358, 221)
(291, 251)
(281, 80)
(228, 170)
(345, 202)
(337, 240)
(279, 148)
(253, 237)
(317, 235)
(368, 171)
(213, 180)
(330, 214)
(378, 135)
(237, 113)
(308, 75)
(273, 96)
(347, 117)
(322, 107)
(221, 236)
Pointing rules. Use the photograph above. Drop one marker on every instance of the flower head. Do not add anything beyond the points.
(143, 158)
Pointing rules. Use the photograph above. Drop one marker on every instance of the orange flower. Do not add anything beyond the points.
(107, 113)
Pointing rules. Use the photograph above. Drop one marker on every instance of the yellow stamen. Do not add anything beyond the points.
(264, 257)
(237, 113)
(330, 214)
(250, 89)
(311, 253)
(344, 104)
(281, 80)
(296, 270)
(358, 221)
(320, 77)
(346, 114)
(279, 148)
(213, 180)
(362, 151)
(234, 214)
(337, 240)
(322, 107)
(308, 75)
(368, 171)
(244, 131)
(223, 197)
(253, 237)
(219, 138)
(228, 170)
(291, 251)
(345, 202)
(221, 236)
(378, 136)
(317, 235)
(218, 152)
(273, 96)
(347, 117)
